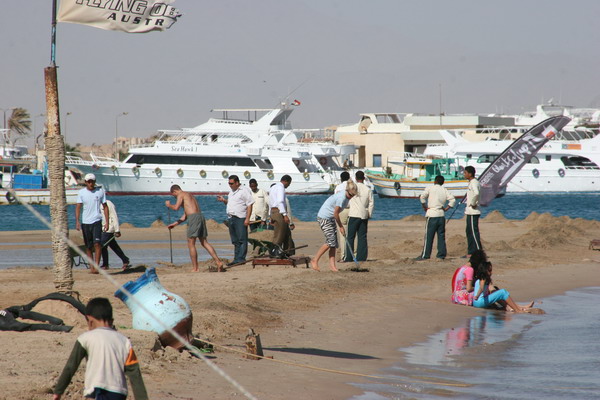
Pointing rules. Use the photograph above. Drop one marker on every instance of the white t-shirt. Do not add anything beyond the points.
(92, 201)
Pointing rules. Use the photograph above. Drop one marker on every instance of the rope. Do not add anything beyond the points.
(192, 349)
(335, 371)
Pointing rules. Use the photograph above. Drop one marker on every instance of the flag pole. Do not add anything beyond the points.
(55, 151)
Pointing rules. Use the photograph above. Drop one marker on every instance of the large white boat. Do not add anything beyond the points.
(200, 159)
(568, 163)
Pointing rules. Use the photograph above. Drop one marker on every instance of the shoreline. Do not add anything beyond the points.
(354, 322)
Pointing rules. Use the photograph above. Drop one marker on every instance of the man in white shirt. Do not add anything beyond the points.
(239, 203)
(260, 209)
(93, 201)
(279, 215)
(361, 209)
(344, 176)
(109, 238)
(436, 200)
(472, 211)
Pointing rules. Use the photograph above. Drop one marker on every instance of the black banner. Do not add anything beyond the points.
(497, 175)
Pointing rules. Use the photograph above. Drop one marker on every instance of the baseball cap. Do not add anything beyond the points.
(89, 177)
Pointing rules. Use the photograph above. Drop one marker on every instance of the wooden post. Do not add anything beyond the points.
(55, 150)
(253, 346)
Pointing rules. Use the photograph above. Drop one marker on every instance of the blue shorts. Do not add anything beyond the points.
(92, 233)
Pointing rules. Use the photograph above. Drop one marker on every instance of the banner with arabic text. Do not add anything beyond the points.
(497, 175)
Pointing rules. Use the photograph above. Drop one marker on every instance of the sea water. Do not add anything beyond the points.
(142, 211)
(500, 355)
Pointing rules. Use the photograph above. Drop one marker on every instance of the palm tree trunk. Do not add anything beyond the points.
(55, 150)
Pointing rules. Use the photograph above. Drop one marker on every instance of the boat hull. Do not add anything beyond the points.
(34, 196)
(405, 188)
(153, 180)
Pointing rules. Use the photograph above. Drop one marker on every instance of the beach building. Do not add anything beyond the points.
(379, 137)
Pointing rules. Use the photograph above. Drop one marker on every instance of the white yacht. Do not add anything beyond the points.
(200, 159)
(568, 163)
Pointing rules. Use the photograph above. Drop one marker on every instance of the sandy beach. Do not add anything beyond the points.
(352, 322)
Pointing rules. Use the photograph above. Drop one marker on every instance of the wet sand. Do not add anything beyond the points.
(347, 321)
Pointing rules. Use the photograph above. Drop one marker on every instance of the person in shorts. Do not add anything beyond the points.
(196, 226)
(328, 217)
(92, 200)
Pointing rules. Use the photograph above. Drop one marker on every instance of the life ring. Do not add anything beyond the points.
(270, 174)
(297, 162)
(157, 171)
(113, 167)
(461, 169)
(535, 173)
(323, 161)
(135, 170)
(180, 172)
(561, 172)
(247, 174)
(306, 176)
(10, 197)
(202, 173)
(224, 174)
(397, 185)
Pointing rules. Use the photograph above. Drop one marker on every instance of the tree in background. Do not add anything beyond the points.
(19, 123)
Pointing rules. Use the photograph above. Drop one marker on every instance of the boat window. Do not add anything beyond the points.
(490, 158)
(577, 162)
(263, 163)
(190, 160)
(548, 157)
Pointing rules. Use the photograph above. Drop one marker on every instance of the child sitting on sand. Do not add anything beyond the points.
(484, 298)
(109, 357)
(462, 282)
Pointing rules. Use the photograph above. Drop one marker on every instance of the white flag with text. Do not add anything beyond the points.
(133, 16)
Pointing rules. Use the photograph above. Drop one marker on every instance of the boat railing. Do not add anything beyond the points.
(512, 132)
(78, 159)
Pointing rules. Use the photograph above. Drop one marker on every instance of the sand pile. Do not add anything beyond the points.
(415, 217)
(532, 217)
(211, 224)
(456, 245)
(548, 232)
(264, 235)
(382, 252)
(500, 245)
(158, 224)
(63, 310)
(126, 225)
(495, 216)
(408, 247)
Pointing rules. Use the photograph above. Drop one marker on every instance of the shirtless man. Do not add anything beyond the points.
(196, 225)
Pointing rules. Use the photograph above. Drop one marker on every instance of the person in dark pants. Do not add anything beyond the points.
(109, 238)
(436, 200)
(472, 212)
(282, 235)
(361, 209)
(239, 210)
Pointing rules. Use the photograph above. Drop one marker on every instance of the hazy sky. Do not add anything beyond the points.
(347, 57)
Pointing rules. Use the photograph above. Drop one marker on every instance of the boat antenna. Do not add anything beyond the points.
(292, 92)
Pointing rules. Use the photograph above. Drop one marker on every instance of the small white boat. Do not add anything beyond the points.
(32, 188)
(417, 173)
(34, 196)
